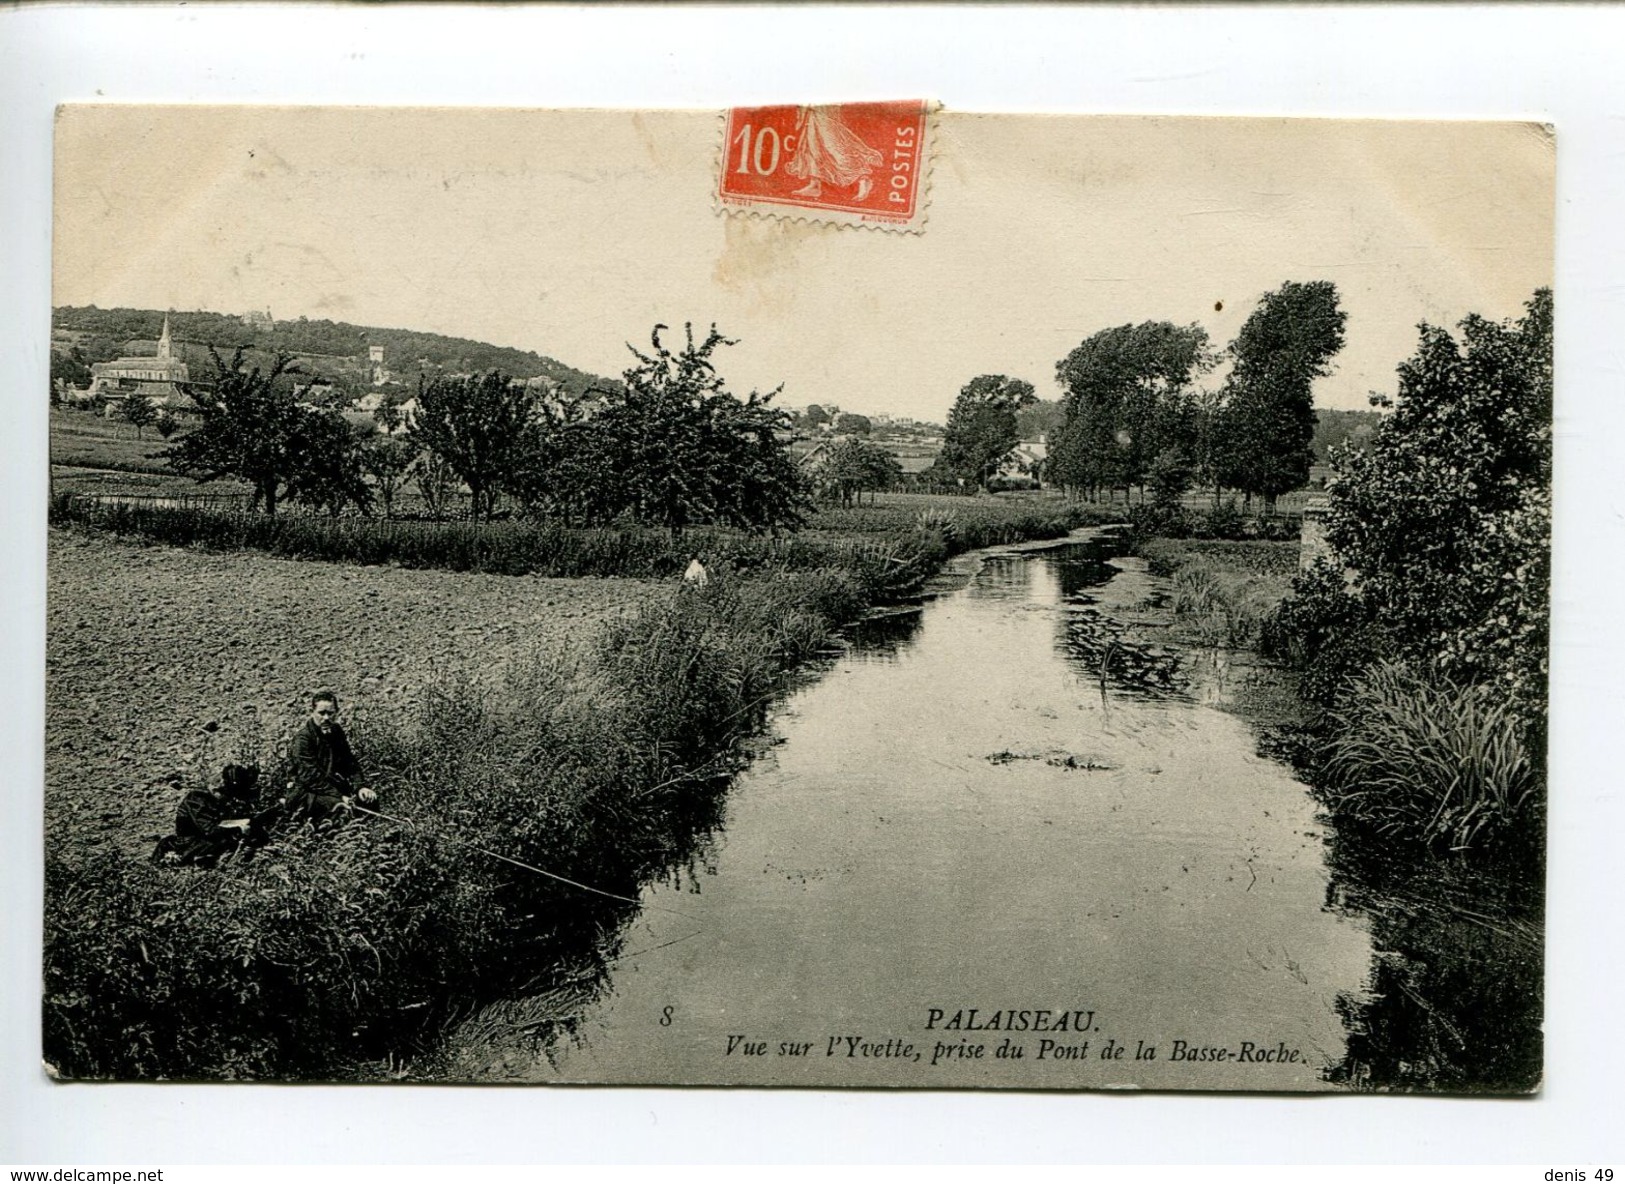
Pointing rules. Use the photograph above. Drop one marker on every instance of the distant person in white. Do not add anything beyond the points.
(829, 151)
(696, 574)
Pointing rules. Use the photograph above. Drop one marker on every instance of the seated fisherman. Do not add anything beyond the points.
(323, 767)
(211, 824)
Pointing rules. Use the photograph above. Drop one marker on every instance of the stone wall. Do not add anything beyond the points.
(1312, 541)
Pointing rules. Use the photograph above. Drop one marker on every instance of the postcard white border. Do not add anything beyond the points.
(1553, 63)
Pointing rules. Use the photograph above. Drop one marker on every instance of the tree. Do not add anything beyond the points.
(100, 348)
(857, 465)
(1206, 454)
(982, 429)
(1125, 402)
(1170, 476)
(815, 416)
(1445, 520)
(848, 423)
(482, 426)
(388, 461)
(685, 451)
(68, 369)
(138, 411)
(1268, 421)
(1336, 428)
(570, 473)
(332, 476)
(1043, 418)
(389, 416)
(436, 483)
(167, 424)
(251, 427)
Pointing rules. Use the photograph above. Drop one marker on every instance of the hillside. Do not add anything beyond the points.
(329, 348)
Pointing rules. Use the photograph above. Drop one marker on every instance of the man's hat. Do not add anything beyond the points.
(238, 781)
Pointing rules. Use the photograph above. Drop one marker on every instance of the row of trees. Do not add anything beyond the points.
(669, 446)
(1134, 416)
(854, 467)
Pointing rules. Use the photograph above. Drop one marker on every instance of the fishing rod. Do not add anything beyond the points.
(554, 875)
(527, 866)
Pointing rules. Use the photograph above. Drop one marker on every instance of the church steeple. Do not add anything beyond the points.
(163, 342)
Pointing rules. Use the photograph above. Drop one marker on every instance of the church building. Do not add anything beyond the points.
(162, 379)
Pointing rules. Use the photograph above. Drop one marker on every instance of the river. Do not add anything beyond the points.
(959, 812)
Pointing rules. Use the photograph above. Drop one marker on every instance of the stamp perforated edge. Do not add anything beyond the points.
(840, 219)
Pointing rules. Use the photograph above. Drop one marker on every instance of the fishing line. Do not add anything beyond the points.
(528, 867)
(652, 949)
(540, 871)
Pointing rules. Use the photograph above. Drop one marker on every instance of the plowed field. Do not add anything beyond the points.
(161, 660)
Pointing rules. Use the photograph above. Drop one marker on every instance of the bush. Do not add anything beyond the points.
(1323, 631)
(1224, 521)
(1221, 523)
(1420, 757)
(1277, 528)
(1156, 520)
(1446, 519)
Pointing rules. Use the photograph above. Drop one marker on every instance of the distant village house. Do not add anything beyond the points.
(1025, 462)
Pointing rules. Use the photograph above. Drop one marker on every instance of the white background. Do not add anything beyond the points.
(1556, 64)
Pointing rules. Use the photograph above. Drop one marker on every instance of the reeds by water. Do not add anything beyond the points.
(1415, 755)
(1220, 609)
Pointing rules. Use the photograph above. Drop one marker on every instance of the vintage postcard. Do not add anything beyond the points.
(848, 595)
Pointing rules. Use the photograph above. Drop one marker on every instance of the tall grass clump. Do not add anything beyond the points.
(1219, 608)
(1419, 757)
(1221, 593)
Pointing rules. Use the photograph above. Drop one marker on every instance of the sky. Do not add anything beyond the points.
(574, 232)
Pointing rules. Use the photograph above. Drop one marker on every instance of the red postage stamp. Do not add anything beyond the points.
(854, 163)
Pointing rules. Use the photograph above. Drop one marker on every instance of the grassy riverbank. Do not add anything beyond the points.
(600, 758)
(1436, 799)
(330, 950)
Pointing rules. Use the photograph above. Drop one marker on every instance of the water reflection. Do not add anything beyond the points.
(951, 814)
(1005, 577)
(1454, 1000)
(1094, 640)
(1081, 567)
(880, 637)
